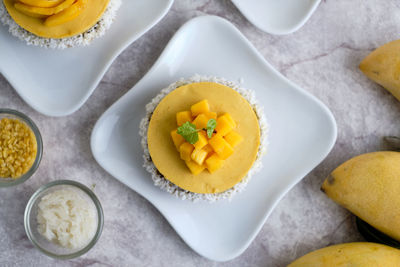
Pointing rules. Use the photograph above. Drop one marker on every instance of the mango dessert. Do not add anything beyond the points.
(58, 23)
(203, 138)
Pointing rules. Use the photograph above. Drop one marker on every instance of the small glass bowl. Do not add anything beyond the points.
(13, 114)
(31, 225)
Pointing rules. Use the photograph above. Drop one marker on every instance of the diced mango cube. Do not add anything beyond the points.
(186, 150)
(177, 139)
(200, 107)
(211, 115)
(202, 141)
(194, 167)
(224, 126)
(201, 121)
(233, 138)
(216, 142)
(230, 119)
(183, 116)
(214, 163)
(199, 155)
(208, 149)
(221, 147)
(226, 152)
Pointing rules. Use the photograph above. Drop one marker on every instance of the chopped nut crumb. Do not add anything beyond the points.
(18, 148)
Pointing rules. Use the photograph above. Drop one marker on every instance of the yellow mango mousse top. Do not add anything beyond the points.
(222, 99)
(91, 14)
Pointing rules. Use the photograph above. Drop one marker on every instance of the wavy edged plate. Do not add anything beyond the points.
(58, 82)
(302, 133)
(277, 16)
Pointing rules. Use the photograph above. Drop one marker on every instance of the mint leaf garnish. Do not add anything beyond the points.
(189, 132)
(211, 124)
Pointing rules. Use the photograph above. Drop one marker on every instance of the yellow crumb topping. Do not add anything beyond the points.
(18, 148)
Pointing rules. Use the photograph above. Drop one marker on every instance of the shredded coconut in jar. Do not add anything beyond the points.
(66, 218)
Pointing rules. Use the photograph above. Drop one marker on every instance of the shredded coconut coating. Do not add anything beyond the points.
(83, 39)
(171, 188)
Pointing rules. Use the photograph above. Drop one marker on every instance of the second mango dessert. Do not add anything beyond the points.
(203, 138)
(58, 23)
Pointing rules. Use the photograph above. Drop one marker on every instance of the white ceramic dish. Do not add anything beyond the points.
(302, 133)
(277, 16)
(58, 82)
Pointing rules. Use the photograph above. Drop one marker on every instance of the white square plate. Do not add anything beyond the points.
(302, 133)
(58, 82)
(277, 16)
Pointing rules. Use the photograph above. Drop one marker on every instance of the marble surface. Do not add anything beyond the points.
(322, 57)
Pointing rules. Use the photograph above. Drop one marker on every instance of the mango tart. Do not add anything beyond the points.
(58, 23)
(231, 137)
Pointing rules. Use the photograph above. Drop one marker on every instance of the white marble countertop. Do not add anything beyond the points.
(322, 57)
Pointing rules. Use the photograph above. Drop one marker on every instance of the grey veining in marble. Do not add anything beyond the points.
(322, 57)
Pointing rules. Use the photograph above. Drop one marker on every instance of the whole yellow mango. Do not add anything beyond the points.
(383, 67)
(362, 254)
(369, 186)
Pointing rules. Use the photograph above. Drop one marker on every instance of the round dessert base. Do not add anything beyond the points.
(171, 188)
(83, 39)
